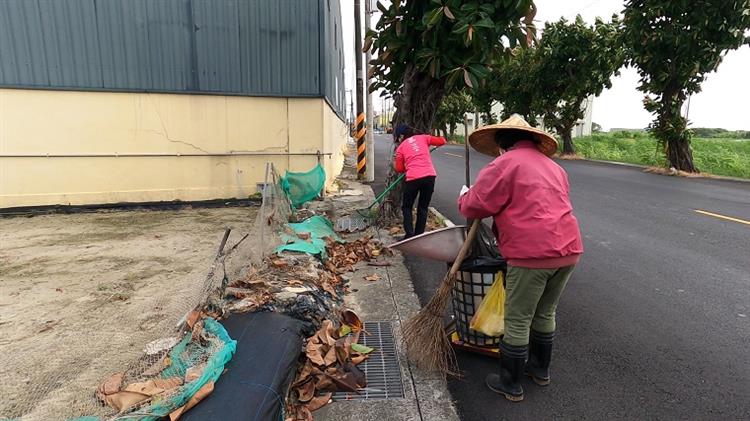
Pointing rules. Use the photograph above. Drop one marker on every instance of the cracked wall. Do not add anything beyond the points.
(37, 122)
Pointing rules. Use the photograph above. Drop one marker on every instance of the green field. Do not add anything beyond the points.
(727, 157)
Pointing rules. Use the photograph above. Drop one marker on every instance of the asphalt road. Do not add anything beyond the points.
(655, 323)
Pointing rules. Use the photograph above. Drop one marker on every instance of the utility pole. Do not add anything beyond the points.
(359, 131)
(370, 145)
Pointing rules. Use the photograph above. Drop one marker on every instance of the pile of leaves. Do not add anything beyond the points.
(331, 358)
(258, 289)
(248, 295)
(128, 391)
(343, 256)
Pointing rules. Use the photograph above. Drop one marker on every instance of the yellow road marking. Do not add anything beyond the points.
(452, 154)
(728, 218)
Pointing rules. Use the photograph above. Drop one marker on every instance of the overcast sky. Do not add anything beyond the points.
(722, 103)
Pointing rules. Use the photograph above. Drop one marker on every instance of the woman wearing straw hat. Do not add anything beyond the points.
(527, 194)
(413, 158)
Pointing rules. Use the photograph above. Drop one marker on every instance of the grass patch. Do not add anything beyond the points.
(456, 138)
(727, 157)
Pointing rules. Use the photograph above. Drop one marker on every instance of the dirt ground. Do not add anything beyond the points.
(82, 294)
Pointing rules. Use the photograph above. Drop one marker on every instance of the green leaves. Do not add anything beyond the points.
(361, 349)
(452, 109)
(455, 32)
(433, 18)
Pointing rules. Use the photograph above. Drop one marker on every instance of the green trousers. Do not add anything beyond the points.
(531, 297)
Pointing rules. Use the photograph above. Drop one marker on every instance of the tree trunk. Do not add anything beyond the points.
(453, 130)
(680, 155)
(671, 130)
(568, 147)
(416, 106)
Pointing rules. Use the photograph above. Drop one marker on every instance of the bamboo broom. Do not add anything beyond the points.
(427, 344)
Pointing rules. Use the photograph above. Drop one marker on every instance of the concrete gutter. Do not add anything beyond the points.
(391, 298)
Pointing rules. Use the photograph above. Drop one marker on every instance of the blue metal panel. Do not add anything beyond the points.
(22, 58)
(170, 41)
(70, 42)
(217, 42)
(333, 56)
(279, 46)
(122, 29)
(243, 47)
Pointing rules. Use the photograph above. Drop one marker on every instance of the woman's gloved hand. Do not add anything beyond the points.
(464, 190)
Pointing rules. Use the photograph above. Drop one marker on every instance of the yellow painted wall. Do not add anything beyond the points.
(65, 122)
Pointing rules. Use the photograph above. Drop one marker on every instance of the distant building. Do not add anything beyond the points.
(141, 101)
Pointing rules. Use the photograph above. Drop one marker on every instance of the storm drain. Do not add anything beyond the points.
(381, 369)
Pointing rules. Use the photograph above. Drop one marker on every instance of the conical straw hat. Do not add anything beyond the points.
(483, 138)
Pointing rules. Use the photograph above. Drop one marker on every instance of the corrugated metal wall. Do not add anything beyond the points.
(243, 47)
(333, 69)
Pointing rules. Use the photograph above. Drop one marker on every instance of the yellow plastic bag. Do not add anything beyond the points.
(490, 316)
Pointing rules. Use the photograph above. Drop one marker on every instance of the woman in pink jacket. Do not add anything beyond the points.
(413, 158)
(527, 195)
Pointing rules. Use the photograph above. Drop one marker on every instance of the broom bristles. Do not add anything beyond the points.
(427, 343)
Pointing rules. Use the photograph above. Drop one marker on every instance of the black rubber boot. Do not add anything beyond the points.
(540, 354)
(508, 382)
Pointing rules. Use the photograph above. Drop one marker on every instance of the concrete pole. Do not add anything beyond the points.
(369, 141)
(359, 131)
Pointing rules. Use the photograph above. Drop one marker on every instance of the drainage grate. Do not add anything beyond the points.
(381, 369)
(351, 223)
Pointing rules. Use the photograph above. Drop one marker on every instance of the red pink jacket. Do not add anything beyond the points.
(527, 194)
(413, 156)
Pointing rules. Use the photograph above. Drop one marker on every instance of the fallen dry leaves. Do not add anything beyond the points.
(373, 277)
(124, 395)
(343, 256)
(249, 294)
(331, 359)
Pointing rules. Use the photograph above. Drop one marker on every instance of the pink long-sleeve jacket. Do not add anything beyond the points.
(413, 156)
(527, 193)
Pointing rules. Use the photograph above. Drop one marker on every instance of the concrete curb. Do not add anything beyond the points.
(440, 216)
(645, 167)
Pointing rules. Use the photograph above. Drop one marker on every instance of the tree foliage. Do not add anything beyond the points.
(574, 62)
(426, 49)
(483, 97)
(451, 111)
(674, 45)
(515, 84)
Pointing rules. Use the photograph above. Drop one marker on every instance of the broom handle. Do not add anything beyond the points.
(465, 247)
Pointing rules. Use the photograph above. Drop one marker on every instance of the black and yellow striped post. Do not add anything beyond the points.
(359, 135)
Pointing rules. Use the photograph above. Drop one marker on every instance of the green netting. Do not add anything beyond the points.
(187, 353)
(301, 187)
(319, 228)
